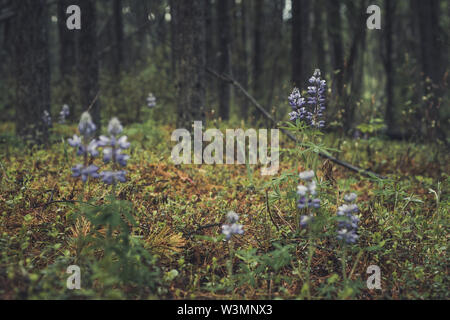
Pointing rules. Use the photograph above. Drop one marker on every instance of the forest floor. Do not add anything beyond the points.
(179, 210)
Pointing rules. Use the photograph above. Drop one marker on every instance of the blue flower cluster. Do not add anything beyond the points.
(112, 151)
(151, 101)
(310, 110)
(232, 227)
(86, 145)
(47, 119)
(65, 112)
(307, 195)
(348, 224)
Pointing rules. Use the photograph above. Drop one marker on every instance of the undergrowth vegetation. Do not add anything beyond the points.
(221, 231)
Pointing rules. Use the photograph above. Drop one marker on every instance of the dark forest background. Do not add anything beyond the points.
(395, 79)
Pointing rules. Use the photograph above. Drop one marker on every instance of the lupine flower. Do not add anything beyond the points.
(306, 175)
(232, 217)
(348, 236)
(312, 188)
(84, 172)
(86, 126)
(310, 110)
(75, 141)
(113, 147)
(85, 146)
(350, 197)
(348, 225)
(47, 118)
(151, 101)
(307, 193)
(121, 143)
(112, 152)
(302, 190)
(112, 177)
(115, 155)
(65, 112)
(232, 227)
(115, 127)
(305, 220)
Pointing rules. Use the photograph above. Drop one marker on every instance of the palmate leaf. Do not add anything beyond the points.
(317, 148)
(284, 177)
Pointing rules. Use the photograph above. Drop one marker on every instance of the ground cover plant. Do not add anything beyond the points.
(171, 231)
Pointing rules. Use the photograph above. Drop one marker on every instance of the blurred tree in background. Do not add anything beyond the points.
(127, 48)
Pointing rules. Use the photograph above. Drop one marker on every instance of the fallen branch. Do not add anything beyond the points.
(236, 84)
(200, 228)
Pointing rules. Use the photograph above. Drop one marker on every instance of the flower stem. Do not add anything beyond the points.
(344, 264)
(310, 255)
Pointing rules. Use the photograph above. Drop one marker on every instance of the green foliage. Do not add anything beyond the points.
(164, 225)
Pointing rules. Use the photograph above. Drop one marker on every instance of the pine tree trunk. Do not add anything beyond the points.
(297, 41)
(224, 63)
(189, 23)
(318, 34)
(432, 64)
(258, 53)
(88, 63)
(118, 36)
(276, 23)
(31, 68)
(242, 63)
(67, 57)
(335, 37)
(388, 35)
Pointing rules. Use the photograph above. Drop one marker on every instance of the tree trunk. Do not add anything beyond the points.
(432, 64)
(189, 18)
(352, 75)
(67, 57)
(88, 63)
(118, 36)
(318, 34)
(224, 63)
(140, 11)
(335, 36)
(31, 68)
(389, 8)
(242, 62)
(67, 41)
(210, 61)
(257, 53)
(297, 44)
(308, 66)
(276, 35)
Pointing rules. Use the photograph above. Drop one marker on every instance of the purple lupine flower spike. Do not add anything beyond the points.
(86, 126)
(307, 196)
(47, 118)
(310, 110)
(112, 177)
(85, 146)
(232, 227)
(65, 112)
(348, 224)
(112, 152)
(151, 101)
(85, 172)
